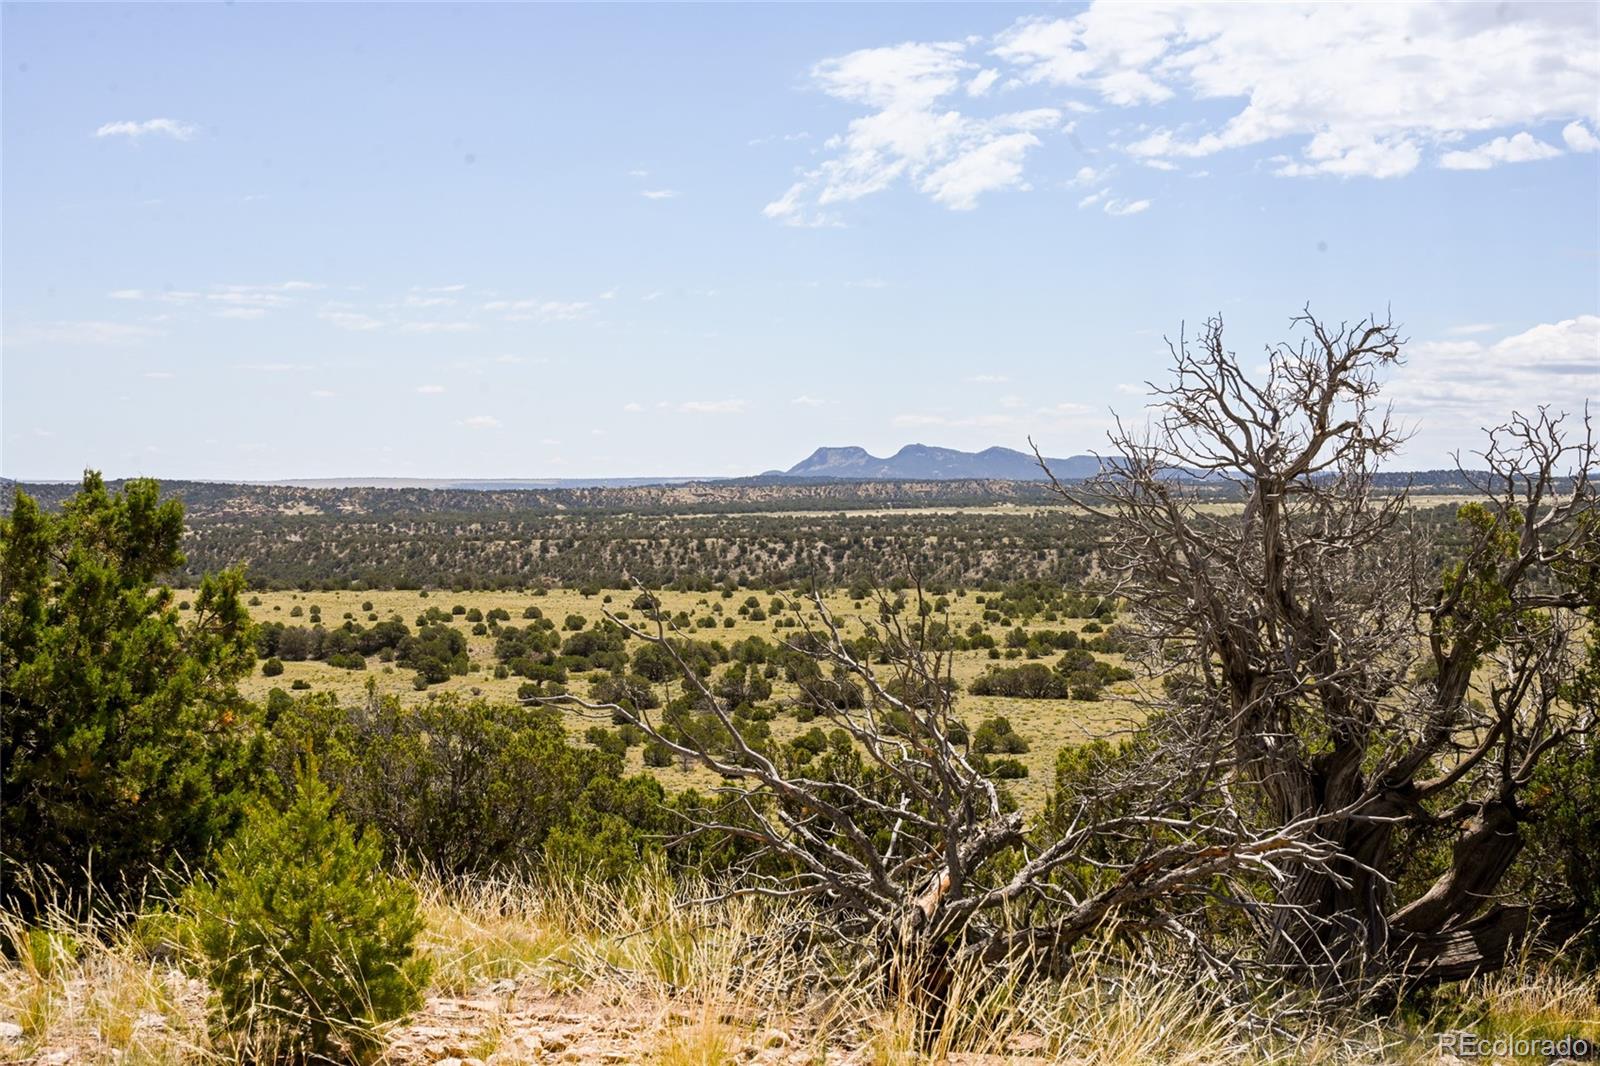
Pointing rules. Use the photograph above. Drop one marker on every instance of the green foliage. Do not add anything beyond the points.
(434, 652)
(124, 744)
(467, 786)
(308, 943)
(1033, 681)
(996, 736)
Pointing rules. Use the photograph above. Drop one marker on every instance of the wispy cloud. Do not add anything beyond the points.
(163, 127)
(430, 390)
(536, 310)
(659, 194)
(81, 332)
(481, 422)
(1125, 207)
(711, 407)
(351, 320)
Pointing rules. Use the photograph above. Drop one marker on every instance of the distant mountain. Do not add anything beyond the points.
(922, 462)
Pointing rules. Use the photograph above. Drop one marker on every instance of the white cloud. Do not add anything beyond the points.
(982, 82)
(910, 134)
(430, 390)
(126, 294)
(1364, 86)
(271, 368)
(1524, 147)
(534, 310)
(711, 407)
(659, 194)
(993, 165)
(1580, 138)
(989, 379)
(437, 327)
(352, 320)
(1349, 90)
(633, 408)
(322, 394)
(807, 401)
(241, 312)
(1125, 207)
(166, 127)
(1470, 328)
(159, 375)
(83, 332)
(481, 422)
(1452, 388)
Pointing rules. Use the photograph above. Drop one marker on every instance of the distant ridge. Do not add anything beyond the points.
(922, 462)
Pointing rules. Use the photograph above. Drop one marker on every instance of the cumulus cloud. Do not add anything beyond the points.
(911, 133)
(1524, 147)
(1452, 388)
(164, 127)
(1580, 138)
(1351, 90)
(1365, 87)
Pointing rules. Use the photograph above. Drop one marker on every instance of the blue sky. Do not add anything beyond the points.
(259, 241)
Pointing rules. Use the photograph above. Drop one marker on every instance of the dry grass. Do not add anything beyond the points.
(1049, 725)
(637, 974)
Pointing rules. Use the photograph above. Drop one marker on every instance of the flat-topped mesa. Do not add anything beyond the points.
(927, 462)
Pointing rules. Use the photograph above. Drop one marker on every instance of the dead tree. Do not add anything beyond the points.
(921, 864)
(1328, 659)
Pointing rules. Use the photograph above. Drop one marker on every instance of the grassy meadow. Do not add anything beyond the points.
(1047, 725)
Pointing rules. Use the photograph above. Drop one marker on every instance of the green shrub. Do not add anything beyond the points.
(308, 945)
(272, 667)
(124, 743)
